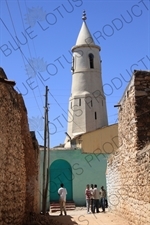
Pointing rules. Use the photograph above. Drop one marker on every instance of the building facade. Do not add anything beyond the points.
(19, 158)
(128, 171)
(75, 170)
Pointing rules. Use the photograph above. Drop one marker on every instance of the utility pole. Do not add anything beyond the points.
(45, 160)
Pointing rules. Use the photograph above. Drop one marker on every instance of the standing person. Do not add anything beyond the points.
(92, 198)
(62, 199)
(102, 198)
(96, 198)
(88, 197)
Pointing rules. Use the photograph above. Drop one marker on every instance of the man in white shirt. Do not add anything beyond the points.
(96, 198)
(62, 194)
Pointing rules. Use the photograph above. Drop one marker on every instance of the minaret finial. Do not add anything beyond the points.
(84, 16)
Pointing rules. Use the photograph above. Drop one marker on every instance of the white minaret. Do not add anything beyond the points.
(87, 104)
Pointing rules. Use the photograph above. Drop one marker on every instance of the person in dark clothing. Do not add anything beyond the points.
(102, 198)
(92, 198)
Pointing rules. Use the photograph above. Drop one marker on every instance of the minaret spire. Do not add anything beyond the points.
(84, 16)
(84, 36)
(87, 103)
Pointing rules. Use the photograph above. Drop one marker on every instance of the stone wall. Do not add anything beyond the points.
(128, 173)
(18, 157)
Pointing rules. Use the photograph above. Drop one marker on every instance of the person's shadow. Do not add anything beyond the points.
(66, 220)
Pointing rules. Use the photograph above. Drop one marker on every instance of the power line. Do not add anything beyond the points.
(22, 54)
(28, 45)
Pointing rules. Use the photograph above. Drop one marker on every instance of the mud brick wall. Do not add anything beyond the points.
(18, 157)
(128, 173)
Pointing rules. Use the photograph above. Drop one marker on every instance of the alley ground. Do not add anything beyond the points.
(79, 216)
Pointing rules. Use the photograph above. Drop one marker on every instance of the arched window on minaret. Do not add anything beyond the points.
(91, 59)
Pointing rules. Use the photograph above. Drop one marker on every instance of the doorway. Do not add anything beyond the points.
(60, 172)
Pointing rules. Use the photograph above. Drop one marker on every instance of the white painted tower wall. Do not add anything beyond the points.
(87, 103)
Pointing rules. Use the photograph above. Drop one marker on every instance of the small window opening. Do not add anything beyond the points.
(91, 59)
(91, 103)
(79, 101)
(95, 116)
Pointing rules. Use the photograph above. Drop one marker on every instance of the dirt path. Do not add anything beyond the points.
(80, 217)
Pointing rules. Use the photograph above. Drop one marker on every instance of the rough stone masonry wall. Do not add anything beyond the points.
(128, 179)
(18, 157)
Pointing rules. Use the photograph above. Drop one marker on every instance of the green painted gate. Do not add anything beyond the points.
(60, 172)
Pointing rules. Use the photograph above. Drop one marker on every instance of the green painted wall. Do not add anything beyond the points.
(86, 169)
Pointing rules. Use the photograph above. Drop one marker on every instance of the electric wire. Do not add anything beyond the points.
(29, 47)
(19, 47)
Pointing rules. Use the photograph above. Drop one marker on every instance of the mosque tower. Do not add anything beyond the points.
(87, 104)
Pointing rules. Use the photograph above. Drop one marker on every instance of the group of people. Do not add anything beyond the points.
(95, 198)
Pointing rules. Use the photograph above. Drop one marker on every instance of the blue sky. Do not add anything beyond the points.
(36, 38)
